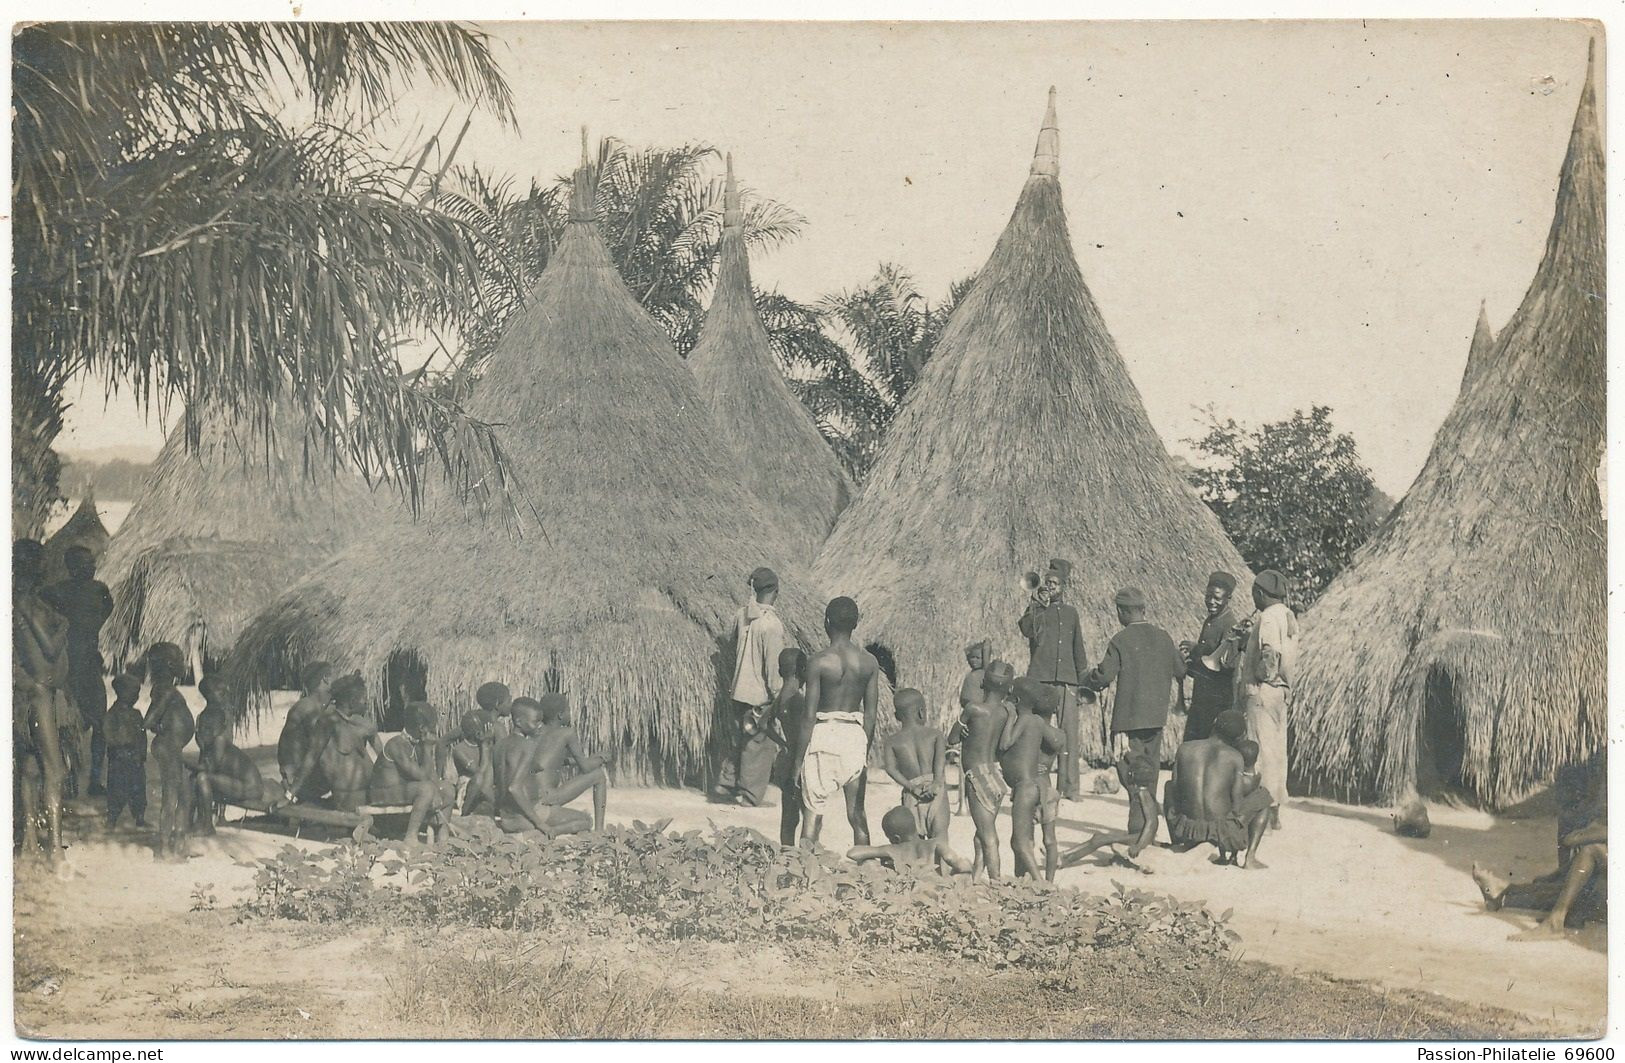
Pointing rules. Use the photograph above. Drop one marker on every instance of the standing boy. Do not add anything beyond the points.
(1145, 664)
(986, 727)
(126, 736)
(170, 721)
(916, 758)
(789, 727)
(843, 691)
(1033, 745)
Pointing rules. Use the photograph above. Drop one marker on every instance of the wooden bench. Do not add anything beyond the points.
(359, 821)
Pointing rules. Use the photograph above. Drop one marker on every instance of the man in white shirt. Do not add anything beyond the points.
(1264, 680)
(746, 747)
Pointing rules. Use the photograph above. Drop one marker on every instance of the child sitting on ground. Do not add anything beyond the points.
(908, 850)
(225, 774)
(1138, 775)
(916, 757)
(126, 737)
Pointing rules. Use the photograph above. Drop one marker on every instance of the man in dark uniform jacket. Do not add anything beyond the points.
(1056, 657)
(1213, 689)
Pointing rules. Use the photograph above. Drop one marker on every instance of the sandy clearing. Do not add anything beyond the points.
(1343, 895)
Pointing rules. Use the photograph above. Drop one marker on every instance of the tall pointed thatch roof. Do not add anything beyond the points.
(780, 455)
(1023, 440)
(1473, 623)
(218, 532)
(1479, 351)
(84, 528)
(626, 594)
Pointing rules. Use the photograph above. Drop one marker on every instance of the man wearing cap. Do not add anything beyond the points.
(1145, 664)
(1212, 672)
(1264, 678)
(1056, 657)
(746, 750)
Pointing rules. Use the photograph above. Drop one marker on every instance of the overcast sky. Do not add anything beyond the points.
(1270, 215)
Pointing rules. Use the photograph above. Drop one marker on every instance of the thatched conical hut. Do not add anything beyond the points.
(84, 528)
(218, 531)
(1465, 645)
(1478, 352)
(780, 454)
(1023, 440)
(624, 597)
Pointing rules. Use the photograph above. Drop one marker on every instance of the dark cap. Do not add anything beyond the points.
(764, 579)
(1273, 583)
(1130, 598)
(1061, 568)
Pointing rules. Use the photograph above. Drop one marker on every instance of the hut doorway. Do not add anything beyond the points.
(406, 680)
(1441, 744)
(886, 660)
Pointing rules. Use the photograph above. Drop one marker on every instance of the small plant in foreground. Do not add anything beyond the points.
(733, 885)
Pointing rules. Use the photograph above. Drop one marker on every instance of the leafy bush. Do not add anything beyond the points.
(733, 885)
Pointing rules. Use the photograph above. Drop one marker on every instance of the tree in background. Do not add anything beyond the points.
(1292, 496)
(178, 237)
(854, 356)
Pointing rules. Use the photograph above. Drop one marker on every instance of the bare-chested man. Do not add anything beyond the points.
(916, 758)
(225, 774)
(85, 603)
(39, 678)
(315, 682)
(1209, 799)
(530, 795)
(986, 728)
(169, 719)
(908, 851)
(1035, 742)
(405, 774)
(336, 759)
(843, 693)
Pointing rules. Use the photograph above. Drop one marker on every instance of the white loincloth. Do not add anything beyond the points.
(836, 754)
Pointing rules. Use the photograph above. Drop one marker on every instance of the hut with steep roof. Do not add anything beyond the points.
(1478, 352)
(220, 528)
(84, 528)
(1464, 647)
(1024, 440)
(779, 453)
(621, 592)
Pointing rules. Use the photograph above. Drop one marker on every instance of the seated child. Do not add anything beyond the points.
(225, 774)
(126, 736)
(908, 850)
(1138, 776)
(916, 757)
(404, 773)
(471, 757)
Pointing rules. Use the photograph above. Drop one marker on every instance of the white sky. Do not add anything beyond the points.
(1270, 215)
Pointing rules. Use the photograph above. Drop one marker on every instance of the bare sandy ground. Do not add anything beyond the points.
(1343, 896)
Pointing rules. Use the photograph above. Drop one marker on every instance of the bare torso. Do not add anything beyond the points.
(845, 671)
(1206, 774)
(914, 750)
(984, 720)
(1033, 749)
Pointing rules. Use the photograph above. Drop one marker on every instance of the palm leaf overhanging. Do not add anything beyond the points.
(177, 237)
(1465, 644)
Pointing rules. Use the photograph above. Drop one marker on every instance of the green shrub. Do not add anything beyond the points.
(732, 885)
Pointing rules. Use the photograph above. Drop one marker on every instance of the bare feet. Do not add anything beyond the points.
(1545, 930)
(1491, 887)
(1254, 864)
(1275, 817)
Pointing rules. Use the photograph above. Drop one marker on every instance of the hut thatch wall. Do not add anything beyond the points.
(1479, 351)
(624, 597)
(84, 528)
(1024, 439)
(779, 453)
(1467, 641)
(218, 531)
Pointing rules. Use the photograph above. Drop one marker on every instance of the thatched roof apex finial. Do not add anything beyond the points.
(1047, 156)
(581, 197)
(730, 197)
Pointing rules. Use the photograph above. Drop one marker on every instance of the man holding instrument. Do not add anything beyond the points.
(1056, 658)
